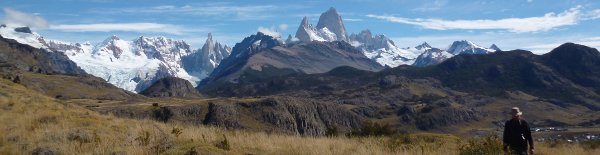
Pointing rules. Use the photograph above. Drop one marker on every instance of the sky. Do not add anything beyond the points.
(535, 25)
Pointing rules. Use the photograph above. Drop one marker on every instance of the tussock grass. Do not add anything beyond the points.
(31, 121)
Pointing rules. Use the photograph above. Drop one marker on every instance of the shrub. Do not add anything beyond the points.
(176, 131)
(163, 114)
(332, 132)
(590, 145)
(372, 129)
(144, 138)
(491, 144)
(224, 144)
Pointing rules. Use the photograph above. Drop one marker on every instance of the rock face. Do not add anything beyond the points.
(333, 21)
(206, 59)
(261, 56)
(171, 87)
(329, 28)
(289, 115)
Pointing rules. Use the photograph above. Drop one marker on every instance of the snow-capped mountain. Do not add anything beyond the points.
(467, 47)
(432, 55)
(22, 35)
(329, 28)
(382, 49)
(131, 65)
(331, 20)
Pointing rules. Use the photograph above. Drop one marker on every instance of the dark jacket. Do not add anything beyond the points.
(517, 135)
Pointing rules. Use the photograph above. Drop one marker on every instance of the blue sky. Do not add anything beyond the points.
(537, 25)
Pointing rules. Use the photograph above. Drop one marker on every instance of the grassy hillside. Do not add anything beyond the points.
(32, 122)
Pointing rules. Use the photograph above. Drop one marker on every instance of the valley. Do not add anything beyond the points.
(323, 91)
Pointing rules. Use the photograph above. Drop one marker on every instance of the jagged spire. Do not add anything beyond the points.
(304, 22)
(333, 21)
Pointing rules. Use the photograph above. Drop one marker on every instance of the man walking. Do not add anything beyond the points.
(517, 134)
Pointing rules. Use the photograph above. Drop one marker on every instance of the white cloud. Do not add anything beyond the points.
(529, 1)
(283, 27)
(124, 27)
(19, 18)
(269, 31)
(530, 24)
(591, 15)
(432, 6)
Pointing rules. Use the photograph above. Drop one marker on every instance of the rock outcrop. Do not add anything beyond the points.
(171, 87)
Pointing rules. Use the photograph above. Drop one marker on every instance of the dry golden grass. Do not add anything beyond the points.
(30, 120)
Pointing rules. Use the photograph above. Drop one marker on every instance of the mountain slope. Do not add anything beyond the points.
(171, 87)
(53, 74)
(261, 56)
(559, 76)
(467, 47)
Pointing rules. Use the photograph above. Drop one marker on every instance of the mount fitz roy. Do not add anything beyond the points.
(379, 48)
(135, 65)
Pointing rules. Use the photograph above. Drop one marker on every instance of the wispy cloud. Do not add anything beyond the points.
(232, 12)
(432, 6)
(125, 27)
(530, 24)
(15, 17)
(591, 15)
(269, 31)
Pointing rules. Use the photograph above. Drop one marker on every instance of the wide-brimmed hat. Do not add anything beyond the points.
(515, 111)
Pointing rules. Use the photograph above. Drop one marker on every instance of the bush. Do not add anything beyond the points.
(176, 131)
(491, 144)
(144, 138)
(224, 144)
(163, 114)
(590, 145)
(372, 129)
(332, 132)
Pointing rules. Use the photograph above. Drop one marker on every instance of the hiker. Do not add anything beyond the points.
(517, 134)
